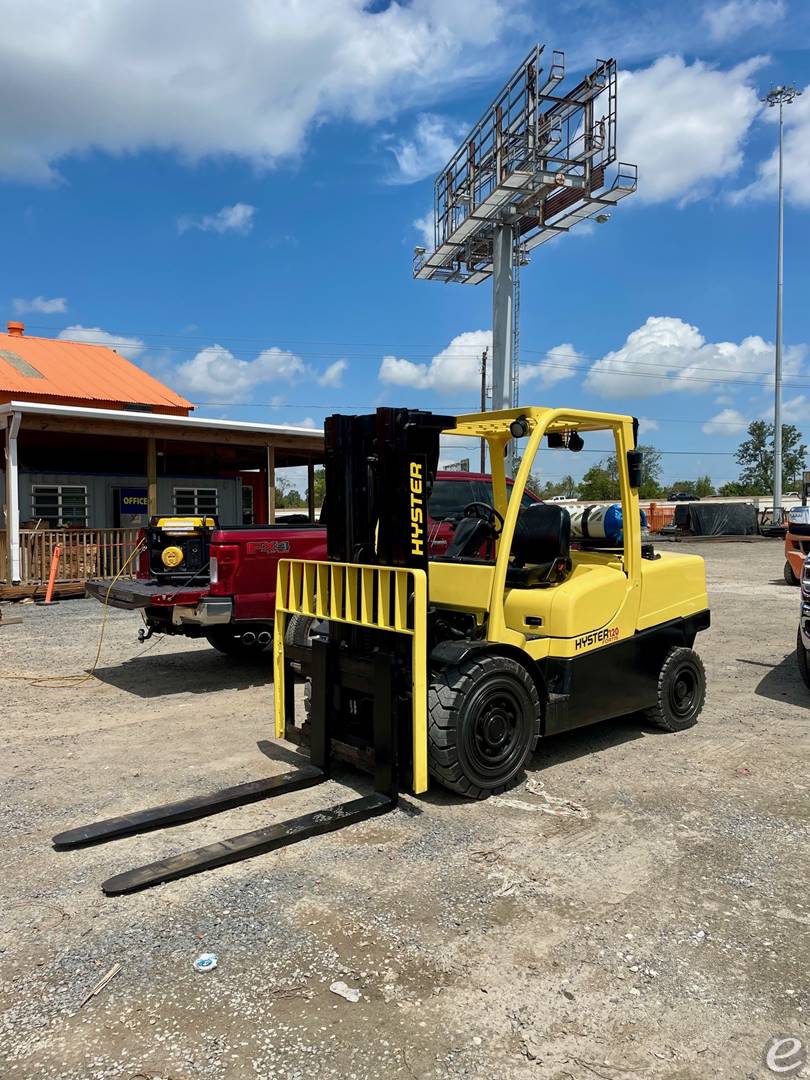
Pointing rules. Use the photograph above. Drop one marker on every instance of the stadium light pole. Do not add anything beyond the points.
(779, 96)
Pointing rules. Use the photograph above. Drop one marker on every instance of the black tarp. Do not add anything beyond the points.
(717, 519)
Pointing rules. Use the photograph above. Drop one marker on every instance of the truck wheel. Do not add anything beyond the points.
(681, 691)
(803, 660)
(242, 644)
(299, 630)
(483, 723)
(790, 577)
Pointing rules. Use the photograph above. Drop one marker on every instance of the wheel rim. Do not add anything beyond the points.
(496, 738)
(683, 692)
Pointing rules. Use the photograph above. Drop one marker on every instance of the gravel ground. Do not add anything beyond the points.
(637, 908)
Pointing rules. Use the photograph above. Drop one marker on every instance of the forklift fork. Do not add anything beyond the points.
(270, 837)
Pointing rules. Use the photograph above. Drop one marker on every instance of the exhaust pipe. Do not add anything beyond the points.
(264, 638)
(248, 638)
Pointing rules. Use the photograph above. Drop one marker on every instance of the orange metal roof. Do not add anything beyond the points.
(77, 372)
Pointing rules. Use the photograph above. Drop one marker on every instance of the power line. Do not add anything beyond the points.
(430, 352)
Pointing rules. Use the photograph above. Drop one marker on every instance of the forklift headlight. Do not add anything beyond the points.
(519, 428)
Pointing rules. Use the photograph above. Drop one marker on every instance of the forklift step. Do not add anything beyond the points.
(250, 844)
(200, 806)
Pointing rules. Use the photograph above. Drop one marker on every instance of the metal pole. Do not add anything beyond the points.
(502, 297)
(484, 406)
(13, 500)
(781, 96)
(777, 389)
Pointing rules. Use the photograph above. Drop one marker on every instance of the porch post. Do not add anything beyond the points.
(151, 476)
(271, 485)
(13, 499)
(311, 490)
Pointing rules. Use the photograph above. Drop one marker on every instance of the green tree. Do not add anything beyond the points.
(701, 487)
(734, 489)
(566, 486)
(599, 482)
(320, 485)
(755, 457)
(651, 469)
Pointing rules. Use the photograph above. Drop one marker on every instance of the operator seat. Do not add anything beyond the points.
(540, 547)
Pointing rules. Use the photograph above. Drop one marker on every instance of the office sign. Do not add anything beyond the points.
(133, 501)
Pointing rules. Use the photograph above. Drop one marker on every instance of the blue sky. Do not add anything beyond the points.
(234, 197)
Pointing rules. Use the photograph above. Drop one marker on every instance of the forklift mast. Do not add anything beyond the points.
(380, 470)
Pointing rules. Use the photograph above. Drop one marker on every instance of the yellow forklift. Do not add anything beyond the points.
(454, 667)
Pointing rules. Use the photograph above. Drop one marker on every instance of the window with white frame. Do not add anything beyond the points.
(196, 502)
(59, 504)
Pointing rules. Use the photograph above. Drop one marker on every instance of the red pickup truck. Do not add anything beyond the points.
(200, 579)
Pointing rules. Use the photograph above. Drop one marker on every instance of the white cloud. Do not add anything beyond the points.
(684, 125)
(333, 375)
(796, 157)
(737, 17)
(432, 144)
(424, 226)
(130, 347)
(645, 424)
(217, 374)
(237, 218)
(204, 79)
(455, 369)
(726, 422)
(795, 411)
(40, 305)
(561, 362)
(667, 354)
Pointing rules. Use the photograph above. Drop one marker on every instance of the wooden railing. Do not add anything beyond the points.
(86, 553)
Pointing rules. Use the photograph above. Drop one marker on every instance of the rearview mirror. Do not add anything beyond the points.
(635, 461)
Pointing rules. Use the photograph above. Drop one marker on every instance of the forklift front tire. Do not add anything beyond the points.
(681, 691)
(484, 722)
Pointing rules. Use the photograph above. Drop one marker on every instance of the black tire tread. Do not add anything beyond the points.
(447, 689)
(789, 575)
(298, 629)
(656, 715)
(802, 660)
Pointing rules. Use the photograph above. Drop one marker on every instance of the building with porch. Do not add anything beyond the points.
(94, 446)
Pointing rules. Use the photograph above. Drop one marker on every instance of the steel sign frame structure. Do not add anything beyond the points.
(533, 167)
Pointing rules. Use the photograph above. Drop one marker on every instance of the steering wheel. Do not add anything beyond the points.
(484, 512)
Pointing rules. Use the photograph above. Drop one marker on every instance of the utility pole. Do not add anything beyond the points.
(484, 405)
(779, 96)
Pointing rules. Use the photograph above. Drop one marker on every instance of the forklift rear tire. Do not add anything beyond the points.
(803, 660)
(790, 577)
(681, 691)
(484, 722)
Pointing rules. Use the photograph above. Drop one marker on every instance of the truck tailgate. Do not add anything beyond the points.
(130, 595)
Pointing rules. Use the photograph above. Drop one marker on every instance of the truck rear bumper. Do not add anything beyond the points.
(210, 611)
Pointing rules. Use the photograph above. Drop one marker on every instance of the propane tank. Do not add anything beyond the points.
(600, 523)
